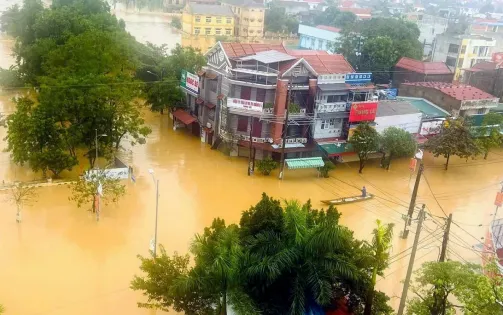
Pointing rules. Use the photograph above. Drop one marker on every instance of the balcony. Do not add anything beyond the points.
(331, 107)
(251, 80)
(256, 69)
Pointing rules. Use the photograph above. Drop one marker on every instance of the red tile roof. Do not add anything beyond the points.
(484, 66)
(184, 117)
(423, 67)
(329, 28)
(347, 4)
(461, 92)
(326, 64)
(239, 50)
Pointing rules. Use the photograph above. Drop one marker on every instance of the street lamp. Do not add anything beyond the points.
(153, 73)
(153, 247)
(96, 137)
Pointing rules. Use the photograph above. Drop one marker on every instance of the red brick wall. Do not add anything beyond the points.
(279, 109)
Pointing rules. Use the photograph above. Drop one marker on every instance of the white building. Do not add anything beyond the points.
(400, 114)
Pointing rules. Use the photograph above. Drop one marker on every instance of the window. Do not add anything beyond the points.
(252, 31)
(252, 20)
(228, 20)
(463, 49)
(228, 31)
(453, 48)
(242, 123)
(320, 44)
(207, 31)
(330, 123)
(218, 31)
(333, 98)
(198, 19)
(312, 42)
(239, 10)
(460, 62)
(213, 85)
(450, 61)
(260, 20)
(197, 30)
(246, 19)
(475, 50)
(481, 111)
(208, 19)
(219, 20)
(483, 51)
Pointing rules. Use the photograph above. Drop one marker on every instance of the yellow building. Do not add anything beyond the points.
(208, 20)
(250, 17)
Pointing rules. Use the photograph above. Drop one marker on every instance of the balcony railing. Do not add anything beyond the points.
(255, 67)
(256, 79)
(331, 107)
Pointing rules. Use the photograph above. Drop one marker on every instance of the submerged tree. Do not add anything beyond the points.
(397, 142)
(365, 140)
(489, 134)
(454, 139)
(21, 195)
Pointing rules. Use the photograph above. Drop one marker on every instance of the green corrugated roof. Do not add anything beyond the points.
(311, 162)
(335, 148)
(498, 109)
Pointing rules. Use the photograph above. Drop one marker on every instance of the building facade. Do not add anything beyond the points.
(411, 70)
(250, 16)
(457, 99)
(462, 51)
(208, 20)
(487, 76)
(429, 27)
(320, 37)
(489, 28)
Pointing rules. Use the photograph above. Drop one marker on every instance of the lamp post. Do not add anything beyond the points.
(96, 137)
(159, 77)
(153, 247)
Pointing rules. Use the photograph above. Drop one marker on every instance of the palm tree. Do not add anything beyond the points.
(381, 244)
(217, 254)
(311, 254)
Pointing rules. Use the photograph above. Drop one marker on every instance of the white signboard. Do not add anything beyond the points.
(189, 81)
(431, 127)
(115, 173)
(238, 103)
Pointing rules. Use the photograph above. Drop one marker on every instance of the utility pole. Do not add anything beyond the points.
(412, 204)
(250, 148)
(446, 239)
(285, 130)
(406, 283)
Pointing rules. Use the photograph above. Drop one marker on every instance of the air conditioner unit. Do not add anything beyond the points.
(246, 138)
(270, 140)
(260, 140)
(254, 139)
(208, 125)
(302, 110)
(290, 140)
(304, 140)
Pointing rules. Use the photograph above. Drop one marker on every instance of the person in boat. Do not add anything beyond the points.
(364, 192)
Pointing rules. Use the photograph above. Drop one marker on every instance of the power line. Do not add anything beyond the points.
(433, 194)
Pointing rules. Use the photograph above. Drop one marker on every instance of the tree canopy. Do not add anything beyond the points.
(332, 16)
(397, 142)
(377, 44)
(489, 134)
(282, 259)
(277, 21)
(454, 138)
(364, 140)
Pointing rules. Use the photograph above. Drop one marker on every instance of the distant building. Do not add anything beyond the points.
(411, 70)
(208, 20)
(487, 76)
(361, 13)
(293, 7)
(429, 26)
(457, 99)
(250, 16)
(321, 37)
(462, 51)
(490, 28)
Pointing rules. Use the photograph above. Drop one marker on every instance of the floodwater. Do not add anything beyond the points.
(60, 261)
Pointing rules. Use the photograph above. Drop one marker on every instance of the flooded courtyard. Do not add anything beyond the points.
(60, 261)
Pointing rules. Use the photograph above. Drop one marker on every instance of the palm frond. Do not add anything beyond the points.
(298, 305)
(295, 221)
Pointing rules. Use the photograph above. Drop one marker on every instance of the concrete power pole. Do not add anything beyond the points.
(412, 204)
(406, 283)
(446, 239)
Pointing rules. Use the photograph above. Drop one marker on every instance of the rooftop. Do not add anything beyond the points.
(461, 92)
(398, 107)
(240, 50)
(329, 28)
(210, 9)
(428, 109)
(245, 3)
(484, 66)
(423, 67)
(359, 12)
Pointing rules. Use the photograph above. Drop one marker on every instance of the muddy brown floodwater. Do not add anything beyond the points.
(60, 261)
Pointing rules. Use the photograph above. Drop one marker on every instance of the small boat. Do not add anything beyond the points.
(345, 200)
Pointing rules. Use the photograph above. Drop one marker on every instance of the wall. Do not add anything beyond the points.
(430, 26)
(446, 102)
(251, 22)
(187, 19)
(407, 122)
(334, 132)
(216, 22)
(315, 38)
(489, 81)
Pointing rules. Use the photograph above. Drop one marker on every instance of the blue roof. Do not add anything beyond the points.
(317, 32)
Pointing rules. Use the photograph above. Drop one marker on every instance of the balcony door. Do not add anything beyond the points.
(245, 92)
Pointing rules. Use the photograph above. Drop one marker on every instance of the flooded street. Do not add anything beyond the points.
(60, 261)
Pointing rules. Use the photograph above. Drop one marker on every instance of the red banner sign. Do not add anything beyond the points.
(499, 199)
(363, 111)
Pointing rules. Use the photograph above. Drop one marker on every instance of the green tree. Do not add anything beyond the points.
(176, 22)
(21, 195)
(332, 16)
(397, 142)
(489, 134)
(381, 245)
(277, 21)
(454, 139)
(436, 283)
(164, 95)
(184, 58)
(85, 190)
(376, 45)
(365, 140)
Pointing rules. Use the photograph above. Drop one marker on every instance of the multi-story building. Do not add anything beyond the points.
(250, 16)
(462, 51)
(490, 28)
(487, 76)
(208, 20)
(457, 99)
(429, 27)
(321, 37)
(250, 87)
(411, 70)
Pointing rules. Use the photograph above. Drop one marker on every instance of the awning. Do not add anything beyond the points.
(333, 87)
(311, 162)
(184, 117)
(335, 149)
(209, 105)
